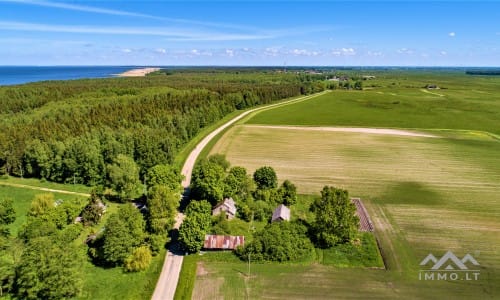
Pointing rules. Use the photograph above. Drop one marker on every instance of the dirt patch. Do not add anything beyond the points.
(200, 269)
(208, 287)
(383, 131)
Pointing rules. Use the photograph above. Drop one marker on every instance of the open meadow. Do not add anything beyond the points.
(429, 188)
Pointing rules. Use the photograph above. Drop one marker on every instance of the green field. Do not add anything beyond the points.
(22, 198)
(468, 103)
(424, 194)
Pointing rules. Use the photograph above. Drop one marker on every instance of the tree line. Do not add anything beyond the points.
(71, 131)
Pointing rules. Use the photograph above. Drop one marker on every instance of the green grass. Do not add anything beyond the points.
(22, 198)
(470, 103)
(77, 188)
(425, 195)
(229, 280)
(114, 283)
(363, 253)
(186, 278)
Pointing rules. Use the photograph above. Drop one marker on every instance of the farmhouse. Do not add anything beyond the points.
(228, 206)
(223, 242)
(281, 213)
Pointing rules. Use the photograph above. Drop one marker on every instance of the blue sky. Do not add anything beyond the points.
(326, 33)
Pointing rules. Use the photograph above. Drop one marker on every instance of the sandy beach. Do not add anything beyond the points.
(138, 72)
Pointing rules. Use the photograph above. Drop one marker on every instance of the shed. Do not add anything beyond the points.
(228, 206)
(281, 213)
(223, 242)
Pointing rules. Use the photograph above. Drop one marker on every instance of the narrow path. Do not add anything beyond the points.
(43, 189)
(169, 277)
(385, 131)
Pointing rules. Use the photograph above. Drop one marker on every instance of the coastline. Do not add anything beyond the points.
(139, 72)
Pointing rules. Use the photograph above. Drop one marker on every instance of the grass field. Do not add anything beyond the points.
(425, 195)
(468, 103)
(22, 198)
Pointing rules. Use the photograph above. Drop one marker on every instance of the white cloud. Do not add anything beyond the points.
(443, 53)
(375, 53)
(271, 51)
(405, 51)
(126, 50)
(344, 52)
(451, 34)
(304, 52)
(161, 51)
(230, 52)
(173, 33)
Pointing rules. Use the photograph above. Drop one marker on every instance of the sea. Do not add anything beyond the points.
(10, 75)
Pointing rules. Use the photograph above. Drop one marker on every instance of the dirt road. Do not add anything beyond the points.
(42, 189)
(169, 277)
(385, 131)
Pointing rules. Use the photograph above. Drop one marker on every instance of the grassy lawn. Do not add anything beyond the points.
(114, 283)
(77, 188)
(230, 280)
(22, 198)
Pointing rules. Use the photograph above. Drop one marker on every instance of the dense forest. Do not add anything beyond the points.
(71, 131)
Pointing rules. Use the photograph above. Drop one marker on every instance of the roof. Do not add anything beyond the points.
(225, 242)
(281, 213)
(228, 204)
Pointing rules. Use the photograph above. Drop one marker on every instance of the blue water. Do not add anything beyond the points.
(24, 74)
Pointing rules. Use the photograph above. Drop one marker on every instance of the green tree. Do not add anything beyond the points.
(7, 215)
(280, 241)
(208, 182)
(93, 211)
(139, 260)
(48, 270)
(219, 159)
(195, 226)
(265, 178)
(123, 177)
(336, 221)
(41, 205)
(288, 193)
(162, 206)
(358, 85)
(238, 184)
(164, 175)
(124, 231)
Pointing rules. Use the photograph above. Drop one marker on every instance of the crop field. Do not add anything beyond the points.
(432, 188)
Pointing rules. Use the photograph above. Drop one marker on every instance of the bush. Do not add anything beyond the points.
(139, 260)
(282, 242)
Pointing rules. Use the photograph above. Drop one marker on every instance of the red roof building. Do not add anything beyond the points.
(223, 242)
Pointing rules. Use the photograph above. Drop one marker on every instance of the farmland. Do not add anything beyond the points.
(425, 194)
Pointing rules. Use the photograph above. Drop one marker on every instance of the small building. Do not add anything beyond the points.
(228, 206)
(223, 242)
(281, 213)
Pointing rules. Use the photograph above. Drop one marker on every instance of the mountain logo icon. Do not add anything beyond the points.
(449, 261)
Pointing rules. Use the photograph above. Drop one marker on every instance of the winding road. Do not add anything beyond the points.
(169, 277)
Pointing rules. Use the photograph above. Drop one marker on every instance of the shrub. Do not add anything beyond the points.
(282, 241)
(139, 260)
